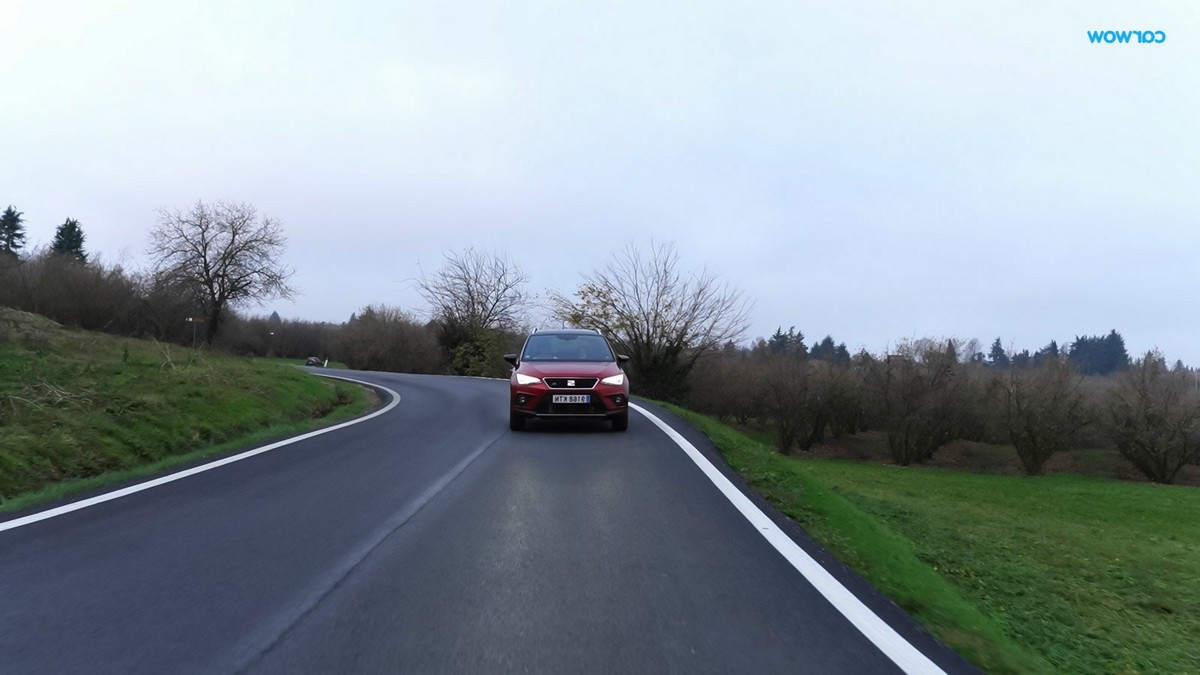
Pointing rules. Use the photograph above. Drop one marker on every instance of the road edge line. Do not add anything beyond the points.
(906, 656)
(208, 466)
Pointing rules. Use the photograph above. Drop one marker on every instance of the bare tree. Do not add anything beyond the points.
(663, 319)
(1041, 408)
(792, 404)
(475, 298)
(921, 393)
(1154, 418)
(475, 290)
(727, 385)
(223, 254)
(839, 395)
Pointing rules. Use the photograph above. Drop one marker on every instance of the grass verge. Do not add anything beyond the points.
(81, 410)
(1057, 573)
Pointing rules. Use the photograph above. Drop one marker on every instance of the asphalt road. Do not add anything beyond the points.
(432, 539)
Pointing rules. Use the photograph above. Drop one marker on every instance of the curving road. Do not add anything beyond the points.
(432, 539)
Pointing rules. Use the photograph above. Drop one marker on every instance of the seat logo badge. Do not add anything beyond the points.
(570, 383)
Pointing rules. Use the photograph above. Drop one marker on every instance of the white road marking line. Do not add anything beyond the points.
(280, 624)
(900, 651)
(170, 478)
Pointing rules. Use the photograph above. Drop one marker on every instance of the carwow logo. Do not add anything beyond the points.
(1144, 37)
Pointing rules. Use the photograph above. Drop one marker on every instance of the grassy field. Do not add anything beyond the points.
(1058, 573)
(78, 410)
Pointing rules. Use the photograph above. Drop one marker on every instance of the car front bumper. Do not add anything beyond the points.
(536, 400)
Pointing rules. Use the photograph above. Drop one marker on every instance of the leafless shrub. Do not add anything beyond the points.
(792, 404)
(710, 391)
(301, 339)
(838, 395)
(387, 338)
(166, 305)
(1041, 409)
(92, 296)
(726, 385)
(919, 392)
(1153, 416)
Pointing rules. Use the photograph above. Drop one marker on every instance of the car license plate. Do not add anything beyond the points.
(571, 398)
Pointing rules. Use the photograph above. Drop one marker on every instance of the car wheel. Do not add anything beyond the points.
(516, 422)
(621, 422)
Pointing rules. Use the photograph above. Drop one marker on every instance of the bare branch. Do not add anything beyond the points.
(664, 320)
(475, 291)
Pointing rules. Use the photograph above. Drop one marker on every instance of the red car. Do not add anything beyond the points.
(568, 373)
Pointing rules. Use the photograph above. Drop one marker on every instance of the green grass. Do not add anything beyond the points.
(80, 410)
(1057, 573)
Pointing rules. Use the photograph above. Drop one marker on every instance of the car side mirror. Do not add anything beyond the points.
(511, 358)
(621, 359)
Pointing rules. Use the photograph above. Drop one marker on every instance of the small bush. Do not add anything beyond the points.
(1153, 416)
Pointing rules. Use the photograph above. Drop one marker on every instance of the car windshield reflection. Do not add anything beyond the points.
(567, 348)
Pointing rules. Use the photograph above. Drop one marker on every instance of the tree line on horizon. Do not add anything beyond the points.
(1091, 354)
(924, 395)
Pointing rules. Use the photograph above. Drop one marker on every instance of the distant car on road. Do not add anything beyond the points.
(312, 361)
(568, 373)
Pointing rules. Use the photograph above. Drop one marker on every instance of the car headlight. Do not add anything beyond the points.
(617, 379)
(526, 379)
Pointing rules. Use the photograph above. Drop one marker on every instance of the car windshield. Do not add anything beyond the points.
(567, 348)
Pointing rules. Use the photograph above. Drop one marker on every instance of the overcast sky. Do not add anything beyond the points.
(872, 170)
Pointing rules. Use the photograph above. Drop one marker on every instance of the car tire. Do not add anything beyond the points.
(621, 422)
(516, 421)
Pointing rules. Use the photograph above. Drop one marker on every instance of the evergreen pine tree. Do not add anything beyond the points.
(1115, 356)
(1022, 359)
(1083, 354)
(779, 342)
(825, 349)
(12, 231)
(1097, 355)
(796, 338)
(841, 354)
(274, 319)
(998, 358)
(68, 240)
(791, 342)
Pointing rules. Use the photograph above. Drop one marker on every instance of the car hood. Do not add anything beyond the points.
(568, 368)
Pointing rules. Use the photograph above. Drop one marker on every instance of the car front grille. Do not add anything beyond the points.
(570, 382)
